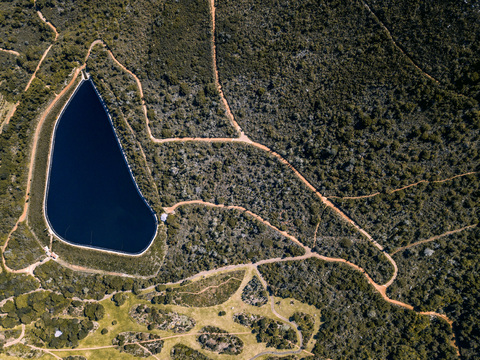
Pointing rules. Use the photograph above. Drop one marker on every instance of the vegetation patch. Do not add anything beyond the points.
(21, 30)
(140, 344)
(275, 333)
(338, 239)
(442, 55)
(75, 357)
(306, 324)
(202, 238)
(213, 339)
(22, 249)
(155, 318)
(211, 291)
(9, 335)
(254, 293)
(83, 285)
(183, 352)
(356, 321)
(23, 351)
(440, 276)
(29, 307)
(344, 105)
(238, 174)
(419, 212)
(16, 284)
(58, 333)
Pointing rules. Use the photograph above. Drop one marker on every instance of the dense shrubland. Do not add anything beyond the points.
(183, 352)
(338, 239)
(441, 276)
(202, 238)
(356, 321)
(322, 84)
(419, 212)
(442, 37)
(237, 174)
(21, 30)
(22, 249)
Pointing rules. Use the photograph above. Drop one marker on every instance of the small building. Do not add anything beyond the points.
(58, 333)
(163, 217)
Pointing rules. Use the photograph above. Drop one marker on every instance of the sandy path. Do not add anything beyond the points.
(13, 52)
(17, 340)
(38, 67)
(9, 115)
(148, 351)
(402, 188)
(209, 287)
(35, 142)
(433, 238)
(215, 72)
(34, 152)
(284, 319)
(255, 216)
(40, 15)
(396, 45)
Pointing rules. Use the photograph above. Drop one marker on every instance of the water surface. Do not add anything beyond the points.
(92, 199)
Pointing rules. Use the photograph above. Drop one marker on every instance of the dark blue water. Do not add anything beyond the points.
(92, 199)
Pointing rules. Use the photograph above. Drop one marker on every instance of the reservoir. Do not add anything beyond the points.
(92, 199)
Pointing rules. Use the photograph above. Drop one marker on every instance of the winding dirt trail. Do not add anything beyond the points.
(209, 287)
(13, 52)
(433, 238)
(40, 15)
(37, 68)
(403, 187)
(171, 209)
(284, 319)
(396, 45)
(17, 340)
(215, 72)
(33, 153)
(243, 139)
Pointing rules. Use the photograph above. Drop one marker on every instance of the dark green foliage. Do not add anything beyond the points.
(183, 352)
(86, 286)
(306, 323)
(22, 249)
(254, 293)
(15, 284)
(276, 334)
(73, 330)
(240, 175)
(211, 291)
(75, 357)
(156, 318)
(94, 311)
(338, 239)
(419, 212)
(341, 103)
(29, 307)
(442, 37)
(202, 238)
(119, 298)
(441, 276)
(212, 340)
(356, 321)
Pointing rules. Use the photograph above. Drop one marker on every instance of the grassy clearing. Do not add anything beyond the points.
(206, 316)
